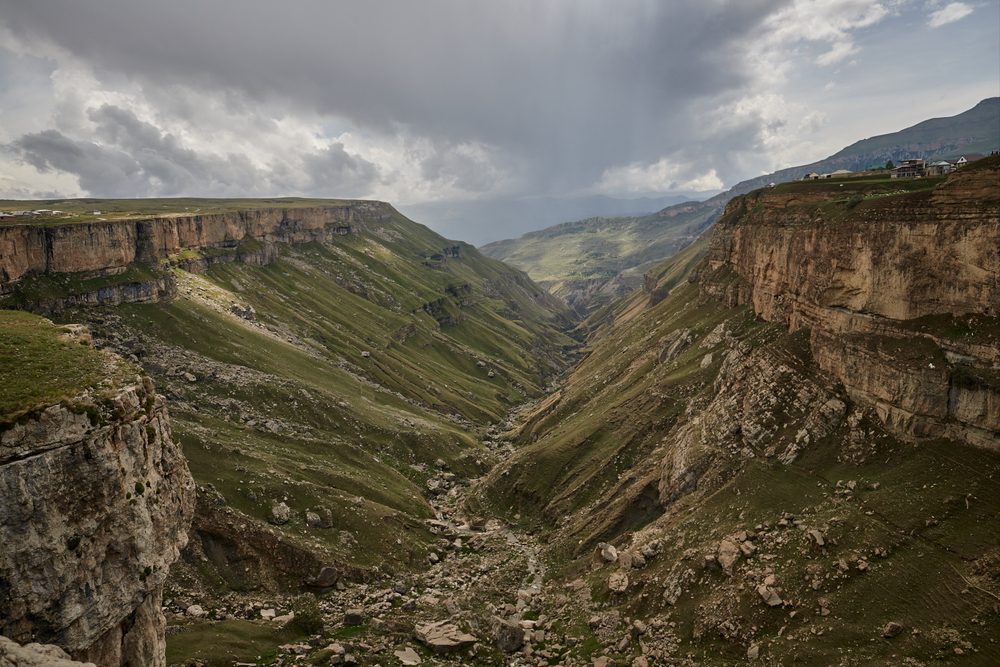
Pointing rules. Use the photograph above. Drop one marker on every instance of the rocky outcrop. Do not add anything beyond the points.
(103, 248)
(94, 507)
(859, 275)
(900, 258)
(138, 291)
(13, 654)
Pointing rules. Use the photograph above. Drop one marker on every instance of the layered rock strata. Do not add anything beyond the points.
(106, 248)
(94, 507)
(858, 278)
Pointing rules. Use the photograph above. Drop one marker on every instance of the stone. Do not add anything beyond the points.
(354, 616)
(280, 514)
(328, 576)
(618, 582)
(753, 652)
(728, 555)
(769, 595)
(407, 656)
(510, 636)
(607, 553)
(267, 614)
(13, 654)
(196, 611)
(320, 518)
(891, 629)
(295, 649)
(395, 625)
(815, 537)
(443, 636)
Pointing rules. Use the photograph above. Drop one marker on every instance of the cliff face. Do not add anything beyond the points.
(93, 510)
(901, 258)
(104, 248)
(862, 276)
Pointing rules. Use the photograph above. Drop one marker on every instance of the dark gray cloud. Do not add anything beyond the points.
(135, 159)
(566, 89)
(450, 98)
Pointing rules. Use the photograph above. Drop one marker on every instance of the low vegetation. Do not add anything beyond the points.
(42, 364)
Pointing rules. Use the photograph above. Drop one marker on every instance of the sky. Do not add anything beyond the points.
(428, 101)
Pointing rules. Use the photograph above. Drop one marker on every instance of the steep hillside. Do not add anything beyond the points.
(319, 362)
(776, 451)
(590, 262)
(484, 221)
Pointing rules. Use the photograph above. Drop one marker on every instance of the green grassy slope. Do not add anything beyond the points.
(588, 469)
(671, 436)
(365, 361)
(590, 262)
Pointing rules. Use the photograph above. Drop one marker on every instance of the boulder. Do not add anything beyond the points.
(326, 578)
(728, 554)
(354, 616)
(196, 611)
(618, 582)
(280, 514)
(322, 517)
(443, 637)
(407, 656)
(13, 654)
(891, 630)
(606, 553)
(769, 595)
(510, 636)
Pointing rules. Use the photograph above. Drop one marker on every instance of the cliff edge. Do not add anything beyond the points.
(95, 497)
(899, 282)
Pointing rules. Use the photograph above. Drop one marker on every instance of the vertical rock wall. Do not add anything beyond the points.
(91, 517)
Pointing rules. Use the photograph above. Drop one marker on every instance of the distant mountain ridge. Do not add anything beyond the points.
(974, 131)
(608, 265)
(479, 222)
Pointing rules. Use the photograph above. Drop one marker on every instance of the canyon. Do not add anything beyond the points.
(395, 438)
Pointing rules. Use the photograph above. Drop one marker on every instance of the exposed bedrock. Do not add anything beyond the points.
(858, 278)
(92, 513)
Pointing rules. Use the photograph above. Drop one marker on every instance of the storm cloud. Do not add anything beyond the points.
(434, 100)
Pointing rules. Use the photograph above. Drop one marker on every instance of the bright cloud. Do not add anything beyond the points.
(949, 14)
